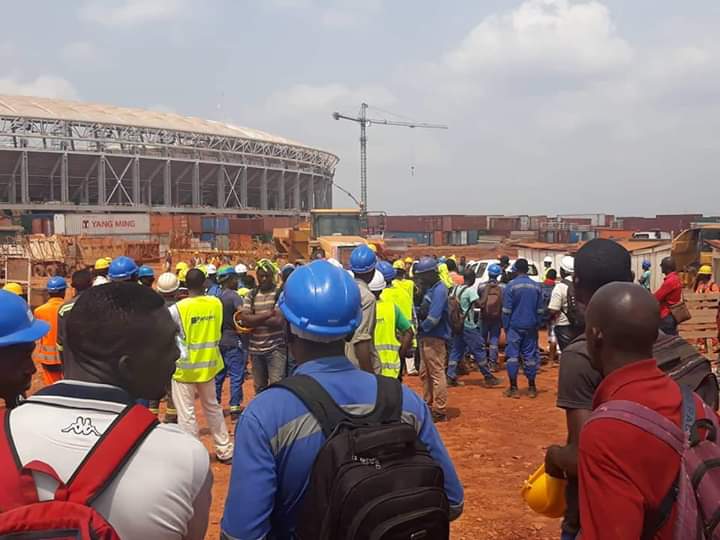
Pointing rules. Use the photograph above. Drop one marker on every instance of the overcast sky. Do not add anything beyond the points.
(554, 106)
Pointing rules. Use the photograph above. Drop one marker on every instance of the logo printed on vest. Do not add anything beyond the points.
(82, 426)
(198, 319)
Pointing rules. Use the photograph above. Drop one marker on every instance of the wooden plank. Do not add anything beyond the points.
(694, 297)
(699, 335)
(703, 315)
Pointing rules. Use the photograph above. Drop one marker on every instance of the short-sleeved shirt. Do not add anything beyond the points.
(401, 322)
(366, 330)
(467, 295)
(263, 339)
(231, 302)
(559, 302)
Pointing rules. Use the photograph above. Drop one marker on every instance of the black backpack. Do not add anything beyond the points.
(575, 312)
(373, 479)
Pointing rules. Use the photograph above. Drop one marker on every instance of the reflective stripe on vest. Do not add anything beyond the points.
(46, 351)
(201, 318)
(386, 341)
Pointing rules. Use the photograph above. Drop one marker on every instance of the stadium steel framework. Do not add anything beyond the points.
(66, 156)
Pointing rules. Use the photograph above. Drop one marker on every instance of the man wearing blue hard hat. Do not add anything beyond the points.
(46, 353)
(278, 438)
(146, 276)
(361, 347)
(123, 268)
(18, 332)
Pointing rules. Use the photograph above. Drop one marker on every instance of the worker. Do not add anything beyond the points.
(14, 288)
(490, 303)
(471, 338)
(646, 278)
(211, 283)
(522, 314)
(547, 266)
(547, 287)
(402, 293)
(152, 481)
(199, 321)
(80, 282)
(146, 276)
(123, 268)
(233, 353)
(19, 331)
(507, 275)
(46, 351)
(179, 267)
(102, 265)
(669, 294)
(704, 283)
(318, 253)
(167, 286)
(267, 347)
(455, 277)
(628, 494)
(565, 329)
(393, 332)
(278, 440)
(433, 335)
(444, 272)
(462, 263)
(360, 349)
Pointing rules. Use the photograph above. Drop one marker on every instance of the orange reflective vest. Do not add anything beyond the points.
(46, 351)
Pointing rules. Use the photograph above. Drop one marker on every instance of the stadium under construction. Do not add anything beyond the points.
(63, 156)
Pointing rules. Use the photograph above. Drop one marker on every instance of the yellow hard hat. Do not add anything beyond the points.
(15, 288)
(373, 247)
(182, 266)
(453, 257)
(103, 263)
(203, 268)
(544, 493)
(399, 265)
(408, 260)
(705, 270)
(182, 274)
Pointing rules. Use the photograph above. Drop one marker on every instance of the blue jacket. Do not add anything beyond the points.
(277, 440)
(522, 304)
(435, 304)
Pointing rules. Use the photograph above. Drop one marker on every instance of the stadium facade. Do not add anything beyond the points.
(64, 156)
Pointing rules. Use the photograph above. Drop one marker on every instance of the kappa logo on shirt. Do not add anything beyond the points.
(82, 426)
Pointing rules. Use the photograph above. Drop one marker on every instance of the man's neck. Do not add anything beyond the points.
(193, 294)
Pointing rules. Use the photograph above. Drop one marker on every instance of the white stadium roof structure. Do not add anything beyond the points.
(72, 156)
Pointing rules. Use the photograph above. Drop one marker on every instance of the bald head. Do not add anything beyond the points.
(621, 322)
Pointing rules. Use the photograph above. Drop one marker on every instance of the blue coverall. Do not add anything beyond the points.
(522, 315)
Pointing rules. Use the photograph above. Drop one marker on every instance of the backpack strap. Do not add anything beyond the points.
(388, 403)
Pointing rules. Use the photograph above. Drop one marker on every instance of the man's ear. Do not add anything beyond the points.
(126, 368)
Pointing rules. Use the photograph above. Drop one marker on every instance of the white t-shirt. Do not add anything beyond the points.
(164, 490)
(559, 302)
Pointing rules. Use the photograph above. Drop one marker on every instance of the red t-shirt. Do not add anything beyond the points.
(669, 293)
(622, 469)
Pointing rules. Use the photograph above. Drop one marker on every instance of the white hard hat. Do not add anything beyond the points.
(241, 269)
(568, 264)
(168, 283)
(335, 262)
(211, 269)
(548, 259)
(377, 283)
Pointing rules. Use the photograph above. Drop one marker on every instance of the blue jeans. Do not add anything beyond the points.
(235, 359)
(268, 367)
(470, 340)
(491, 335)
(669, 326)
(522, 343)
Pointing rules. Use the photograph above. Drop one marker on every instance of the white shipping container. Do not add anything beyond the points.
(102, 224)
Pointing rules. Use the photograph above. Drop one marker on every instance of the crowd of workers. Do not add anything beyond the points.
(126, 338)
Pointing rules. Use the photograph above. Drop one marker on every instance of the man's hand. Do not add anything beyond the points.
(551, 466)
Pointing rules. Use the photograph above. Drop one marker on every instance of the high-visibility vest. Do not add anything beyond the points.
(400, 298)
(201, 318)
(444, 275)
(408, 286)
(46, 351)
(387, 344)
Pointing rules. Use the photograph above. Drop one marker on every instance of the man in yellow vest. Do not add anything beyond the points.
(199, 319)
(401, 291)
(389, 324)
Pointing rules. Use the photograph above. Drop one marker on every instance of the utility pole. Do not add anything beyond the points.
(365, 122)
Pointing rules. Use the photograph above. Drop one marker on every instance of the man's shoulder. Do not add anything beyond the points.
(168, 442)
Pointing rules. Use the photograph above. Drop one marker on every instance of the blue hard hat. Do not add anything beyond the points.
(363, 259)
(122, 268)
(426, 264)
(17, 324)
(226, 271)
(442, 259)
(494, 270)
(145, 271)
(56, 284)
(646, 264)
(387, 270)
(321, 301)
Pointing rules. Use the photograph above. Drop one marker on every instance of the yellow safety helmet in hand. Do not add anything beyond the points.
(544, 493)
(14, 288)
(103, 263)
(705, 270)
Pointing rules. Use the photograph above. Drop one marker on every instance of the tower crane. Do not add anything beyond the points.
(365, 122)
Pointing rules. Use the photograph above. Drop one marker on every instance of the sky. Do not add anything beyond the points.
(553, 106)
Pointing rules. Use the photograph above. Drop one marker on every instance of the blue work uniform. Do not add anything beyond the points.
(277, 441)
(491, 330)
(435, 304)
(522, 316)
(471, 338)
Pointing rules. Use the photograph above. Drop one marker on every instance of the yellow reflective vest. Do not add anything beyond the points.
(406, 306)
(445, 275)
(387, 344)
(201, 318)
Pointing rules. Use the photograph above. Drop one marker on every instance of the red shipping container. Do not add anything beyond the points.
(37, 226)
(438, 237)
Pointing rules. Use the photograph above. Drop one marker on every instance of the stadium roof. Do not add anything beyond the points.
(56, 109)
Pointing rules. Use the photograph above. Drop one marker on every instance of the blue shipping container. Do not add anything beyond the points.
(421, 238)
(574, 237)
(222, 225)
(207, 237)
(208, 224)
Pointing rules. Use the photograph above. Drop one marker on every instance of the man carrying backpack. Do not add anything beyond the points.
(118, 469)
(471, 337)
(563, 305)
(282, 477)
(626, 493)
(490, 304)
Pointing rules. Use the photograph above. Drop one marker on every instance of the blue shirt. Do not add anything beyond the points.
(435, 303)
(277, 441)
(522, 304)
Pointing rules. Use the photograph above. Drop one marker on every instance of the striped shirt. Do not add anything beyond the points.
(263, 339)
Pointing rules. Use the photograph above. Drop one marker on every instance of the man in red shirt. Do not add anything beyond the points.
(669, 294)
(625, 472)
